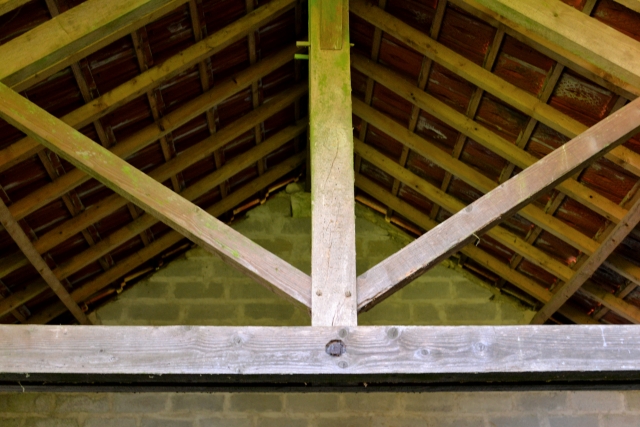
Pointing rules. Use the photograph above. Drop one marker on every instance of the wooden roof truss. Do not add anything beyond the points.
(334, 344)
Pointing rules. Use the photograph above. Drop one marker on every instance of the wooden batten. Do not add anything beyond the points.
(154, 198)
(465, 226)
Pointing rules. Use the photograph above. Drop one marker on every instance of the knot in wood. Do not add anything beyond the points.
(336, 348)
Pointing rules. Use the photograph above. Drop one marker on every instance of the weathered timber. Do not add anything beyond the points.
(554, 51)
(491, 263)
(485, 137)
(87, 24)
(20, 238)
(152, 78)
(231, 354)
(202, 186)
(16, 299)
(107, 206)
(631, 4)
(486, 80)
(9, 5)
(595, 42)
(407, 264)
(151, 133)
(333, 242)
(153, 197)
(171, 238)
(590, 266)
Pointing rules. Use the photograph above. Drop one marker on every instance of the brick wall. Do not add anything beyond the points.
(441, 409)
(198, 289)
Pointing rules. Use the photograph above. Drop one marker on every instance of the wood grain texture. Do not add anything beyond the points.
(151, 78)
(7, 6)
(62, 36)
(154, 198)
(234, 352)
(171, 238)
(595, 42)
(333, 241)
(631, 4)
(486, 80)
(425, 252)
(484, 136)
(20, 238)
(489, 262)
(152, 132)
(586, 270)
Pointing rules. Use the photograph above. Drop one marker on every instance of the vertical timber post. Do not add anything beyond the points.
(333, 252)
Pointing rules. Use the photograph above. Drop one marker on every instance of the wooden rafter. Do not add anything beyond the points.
(589, 267)
(7, 6)
(154, 198)
(21, 239)
(152, 78)
(554, 51)
(333, 240)
(391, 274)
(155, 248)
(153, 132)
(487, 81)
(491, 263)
(70, 36)
(595, 42)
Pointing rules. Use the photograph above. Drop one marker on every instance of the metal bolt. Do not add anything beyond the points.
(347, 294)
(335, 348)
(319, 292)
(342, 333)
(343, 364)
(393, 333)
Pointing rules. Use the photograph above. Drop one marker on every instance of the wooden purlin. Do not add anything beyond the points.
(554, 51)
(54, 45)
(608, 244)
(154, 198)
(487, 81)
(111, 204)
(423, 79)
(460, 228)
(153, 132)
(484, 185)
(472, 110)
(108, 102)
(590, 39)
(20, 238)
(206, 80)
(157, 247)
(448, 202)
(486, 260)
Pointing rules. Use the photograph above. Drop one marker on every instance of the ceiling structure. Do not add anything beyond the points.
(220, 116)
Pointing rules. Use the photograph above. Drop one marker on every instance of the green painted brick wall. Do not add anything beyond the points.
(199, 289)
